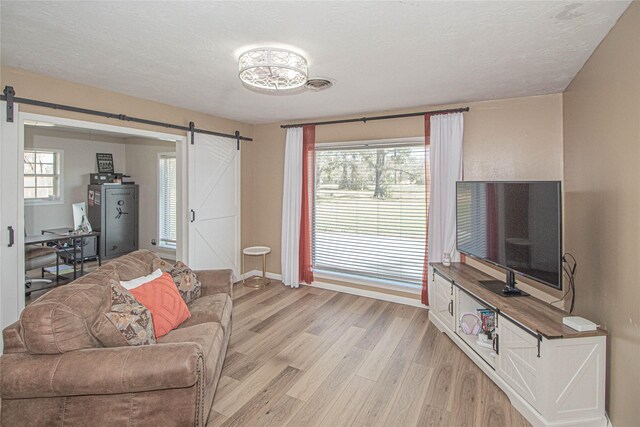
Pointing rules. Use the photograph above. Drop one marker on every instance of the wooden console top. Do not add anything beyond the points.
(529, 311)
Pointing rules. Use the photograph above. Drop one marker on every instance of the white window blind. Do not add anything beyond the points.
(370, 211)
(167, 200)
(42, 175)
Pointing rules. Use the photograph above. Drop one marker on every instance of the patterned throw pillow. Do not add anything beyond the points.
(127, 322)
(185, 279)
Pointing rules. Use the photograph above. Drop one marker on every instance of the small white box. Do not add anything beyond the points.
(579, 323)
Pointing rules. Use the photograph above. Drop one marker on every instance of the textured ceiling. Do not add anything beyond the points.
(382, 55)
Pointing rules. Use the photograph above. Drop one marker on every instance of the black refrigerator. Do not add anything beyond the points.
(113, 211)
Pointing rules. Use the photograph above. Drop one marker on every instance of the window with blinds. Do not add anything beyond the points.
(42, 175)
(167, 201)
(370, 211)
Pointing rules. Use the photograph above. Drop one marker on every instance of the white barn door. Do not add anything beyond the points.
(11, 219)
(214, 203)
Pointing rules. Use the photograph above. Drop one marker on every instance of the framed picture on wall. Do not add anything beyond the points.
(105, 162)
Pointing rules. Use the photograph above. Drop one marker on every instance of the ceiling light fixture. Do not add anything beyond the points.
(273, 70)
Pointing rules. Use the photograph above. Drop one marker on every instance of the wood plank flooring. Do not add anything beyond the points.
(312, 357)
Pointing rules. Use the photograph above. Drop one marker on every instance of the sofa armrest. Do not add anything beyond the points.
(111, 370)
(216, 281)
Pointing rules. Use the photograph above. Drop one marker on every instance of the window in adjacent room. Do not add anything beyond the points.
(42, 176)
(370, 211)
(167, 200)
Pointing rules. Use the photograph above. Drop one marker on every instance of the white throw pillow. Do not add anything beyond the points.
(138, 281)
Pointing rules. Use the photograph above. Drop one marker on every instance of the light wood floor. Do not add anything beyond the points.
(311, 357)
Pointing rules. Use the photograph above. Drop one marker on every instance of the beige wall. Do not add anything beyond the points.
(602, 201)
(505, 139)
(36, 86)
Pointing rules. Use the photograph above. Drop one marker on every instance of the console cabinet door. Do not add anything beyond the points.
(518, 361)
(443, 300)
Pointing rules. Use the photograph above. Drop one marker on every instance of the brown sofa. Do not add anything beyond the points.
(55, 373)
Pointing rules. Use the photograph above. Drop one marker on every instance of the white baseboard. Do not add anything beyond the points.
(272, 276)
(370, 294)
(348, 290)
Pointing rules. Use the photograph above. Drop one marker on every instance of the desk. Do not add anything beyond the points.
(73, 238)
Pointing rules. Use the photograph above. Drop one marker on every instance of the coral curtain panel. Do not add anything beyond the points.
(427, 173)
(308, 196)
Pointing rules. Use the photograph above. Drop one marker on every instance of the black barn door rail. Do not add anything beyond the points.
(9, 96)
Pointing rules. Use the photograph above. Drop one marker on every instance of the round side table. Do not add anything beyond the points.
(256, 281)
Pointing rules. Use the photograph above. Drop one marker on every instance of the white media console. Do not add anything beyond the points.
(553, 375)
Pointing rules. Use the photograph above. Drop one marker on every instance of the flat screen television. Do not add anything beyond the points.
(513, 225)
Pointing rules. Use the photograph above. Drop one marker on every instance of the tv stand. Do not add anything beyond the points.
(505, 289)
(555, 376)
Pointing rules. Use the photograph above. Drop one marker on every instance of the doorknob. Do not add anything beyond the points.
(193, 215)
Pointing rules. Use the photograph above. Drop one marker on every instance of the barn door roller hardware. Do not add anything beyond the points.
(9, 96)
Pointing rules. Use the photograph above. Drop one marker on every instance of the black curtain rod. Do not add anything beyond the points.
(368, 119)
(8, 93)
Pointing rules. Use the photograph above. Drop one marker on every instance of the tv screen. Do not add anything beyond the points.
(515, 225)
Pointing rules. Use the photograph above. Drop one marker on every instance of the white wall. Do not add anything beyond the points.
(142, 165)
(79, 160)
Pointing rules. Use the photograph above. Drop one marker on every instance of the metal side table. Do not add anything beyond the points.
(256, 281)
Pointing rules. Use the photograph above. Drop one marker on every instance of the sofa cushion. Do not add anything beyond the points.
(60, 321)
(210, 308)
(12, 338)
(123, 320)
(101, 276)
(162, 298)
(134, 265)
(185, 279)
(210, 336)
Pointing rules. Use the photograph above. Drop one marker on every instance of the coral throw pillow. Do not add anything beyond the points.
(161, 297)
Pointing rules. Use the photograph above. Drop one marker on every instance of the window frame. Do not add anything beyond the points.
(162, 242)
(58, 177)
(384, 283)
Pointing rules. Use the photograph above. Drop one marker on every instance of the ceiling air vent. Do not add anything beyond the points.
(318, 84)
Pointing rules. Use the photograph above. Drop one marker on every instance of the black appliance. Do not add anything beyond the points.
(513, 225)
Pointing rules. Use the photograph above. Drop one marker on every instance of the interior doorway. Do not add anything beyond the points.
(60, 156)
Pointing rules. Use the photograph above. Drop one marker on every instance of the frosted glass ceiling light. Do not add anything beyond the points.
(273, 70)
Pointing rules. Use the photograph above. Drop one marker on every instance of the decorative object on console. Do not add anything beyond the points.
(470, 324)
(446, 259)
(125, 321)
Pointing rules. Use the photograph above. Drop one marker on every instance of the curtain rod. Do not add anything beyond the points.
(368, 119)
(9, 96)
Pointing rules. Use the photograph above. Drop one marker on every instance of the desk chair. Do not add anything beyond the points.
(36, 256)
